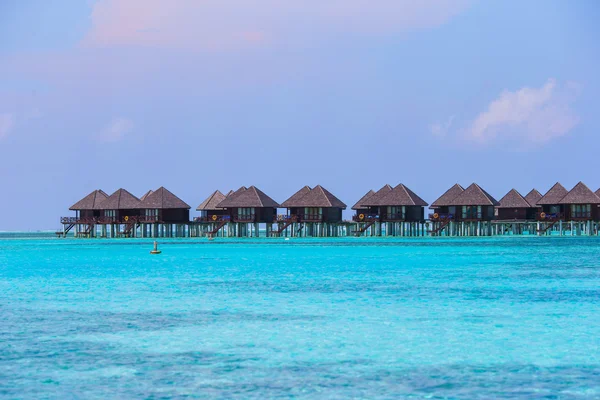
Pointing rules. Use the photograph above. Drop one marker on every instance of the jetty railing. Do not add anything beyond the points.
(394, 218)
(311, 217)
(365, 217)
(543, 216)
(244, 218)
(285, 218)
(441, 216)
(213, 218)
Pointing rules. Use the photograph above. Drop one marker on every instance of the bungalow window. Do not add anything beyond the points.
(471, 212)
(245, 213)
(581, 210)
(394, 212)
(110, 214)
(152, 214)
(313, 213)
(554, 209)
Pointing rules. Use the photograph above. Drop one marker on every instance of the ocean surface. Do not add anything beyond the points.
(355, 318)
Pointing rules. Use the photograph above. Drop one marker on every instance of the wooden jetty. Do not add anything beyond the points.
(316, 212)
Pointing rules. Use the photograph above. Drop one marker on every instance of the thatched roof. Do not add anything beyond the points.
(250, 197)
(553, 196)
(597, 192)
(291, 202)
(372, 200)
(450, 194)
(149, 192)
(229, 193)
(210, 204)
(580, 194)
(365, 198)
(533, 197)
(119, 200)
(162, 199)
(513, 199)
(474, 195)
(400, 196)
(90, 201)
(318, 197)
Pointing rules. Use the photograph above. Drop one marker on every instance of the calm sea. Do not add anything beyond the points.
(319, 319)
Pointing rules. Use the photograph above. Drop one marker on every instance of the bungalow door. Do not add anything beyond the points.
(451, 211)
(110, 215)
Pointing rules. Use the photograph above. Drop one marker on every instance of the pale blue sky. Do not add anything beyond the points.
(351, 94)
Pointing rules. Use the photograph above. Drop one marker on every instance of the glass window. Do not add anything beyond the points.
(581, 210)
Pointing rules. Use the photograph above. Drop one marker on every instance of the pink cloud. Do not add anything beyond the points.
(218, 25)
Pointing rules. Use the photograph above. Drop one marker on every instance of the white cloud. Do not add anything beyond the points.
(441, 130)
(7, 122)
(531, 115)
(214, 24)
(116, 130)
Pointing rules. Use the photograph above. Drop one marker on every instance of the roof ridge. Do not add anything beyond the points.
(363, 198)
(446, 202)
(324, 191)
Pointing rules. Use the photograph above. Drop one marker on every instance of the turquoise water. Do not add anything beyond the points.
(354, 318)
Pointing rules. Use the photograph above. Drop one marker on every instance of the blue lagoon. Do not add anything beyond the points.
(268, 318)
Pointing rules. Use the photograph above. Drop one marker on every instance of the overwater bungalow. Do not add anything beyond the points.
(550, 207)
(370, 212)
(249, 205)
(162, 206)
(86, 215)
(464, 212)
(118, 208)
(474, 204)
(400, 204)
(360, 209)
(580, 204)
(514, 207)
(442, 208)
(316, 205)
(291, 206)
(391, 211)
(532, 198)
(209, 212)
(86, 208)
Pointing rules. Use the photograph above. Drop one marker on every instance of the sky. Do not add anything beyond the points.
(350, 94)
